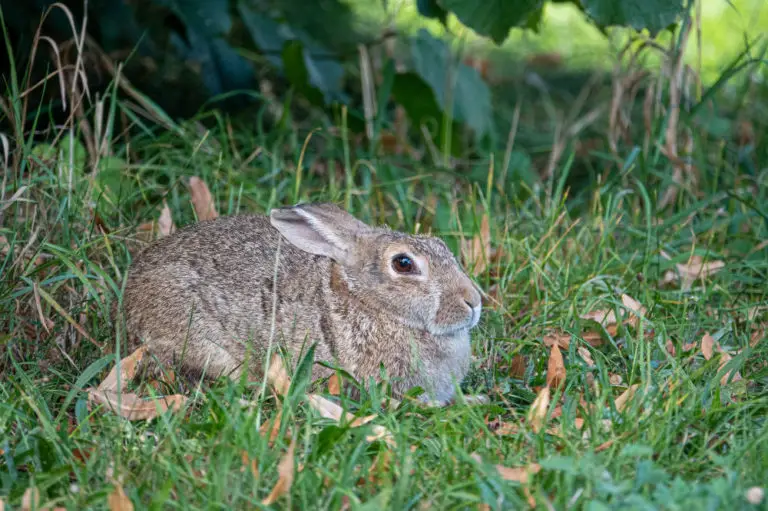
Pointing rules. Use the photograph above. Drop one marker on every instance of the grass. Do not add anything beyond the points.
(687, 440)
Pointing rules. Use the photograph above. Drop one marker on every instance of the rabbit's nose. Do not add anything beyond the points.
(472, 298)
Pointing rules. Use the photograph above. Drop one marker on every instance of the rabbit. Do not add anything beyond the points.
(368, 296)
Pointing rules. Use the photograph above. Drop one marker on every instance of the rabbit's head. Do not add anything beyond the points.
(414, 279)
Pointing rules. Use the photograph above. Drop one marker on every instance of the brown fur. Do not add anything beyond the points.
(205, 293)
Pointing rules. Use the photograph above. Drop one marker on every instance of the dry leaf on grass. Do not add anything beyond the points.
(279, 379)
(695, 269)
(202, 200)
(608, 319)
(724, 380)
(132, 407)
(689, 346)
(31, 499)
(757, 335)
(128, 368)
(560, 339)
(165, 224)
(118, 500)
(555, 368)
(605, 445)
(477, 252)
(707, 346)
(285, 476)
(277, 375)
(538, 411)
(636, 309)
(334, 386)
(563, 340)
(586, 356)
(252, 464)
(622, 401)
(670, 347)
(521, 475)
(517, 367)
(273, 427)
(605, 318)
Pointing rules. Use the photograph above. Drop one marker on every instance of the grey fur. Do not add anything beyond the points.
(203, 293)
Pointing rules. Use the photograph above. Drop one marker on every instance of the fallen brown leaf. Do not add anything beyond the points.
(517, 367)
(477, 252)
(272, 427)
(277, 375)
(603, 317)
(635, 309)
(624, 398)
(695, 269)
(724, 380)
(127, 372)
(605, 445)
(586, 356)
(165, 225)
(202, 200)
(517, 474)
(521, 475)
(331, 410)
(594, 339)
(555, 368)
(508, 428)
(670, 347)
(538, 411)
(707, 346)
(132, 407)
(285, 472)
(334, 387)
(757, 335)
(689, 346)
(252, 464)
(560, 339)
(30, 500)
(118, 500)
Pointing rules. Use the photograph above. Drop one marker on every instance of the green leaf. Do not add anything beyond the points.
(653, 15)
(493, 18)
(111, 179)
(418, 100)
(295, 69)
(86, 376)
(303, 374)
(471, 97)
(206, 25)
(311, 68)
(431, 9)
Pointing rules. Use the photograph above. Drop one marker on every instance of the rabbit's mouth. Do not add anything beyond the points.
(440, 326)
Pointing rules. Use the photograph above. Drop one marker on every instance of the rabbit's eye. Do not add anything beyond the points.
(401, 263)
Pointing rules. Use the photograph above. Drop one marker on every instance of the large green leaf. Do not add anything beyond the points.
(412, 93)
(493, 18)
(431, 9)
(207, 23)
(653, 15)
(311, 68)
(471, 98)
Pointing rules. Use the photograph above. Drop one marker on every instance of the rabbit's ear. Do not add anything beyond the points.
(320, 229)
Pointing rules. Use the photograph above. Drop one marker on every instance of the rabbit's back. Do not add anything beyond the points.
(206, 293)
